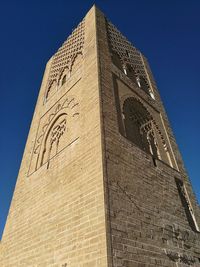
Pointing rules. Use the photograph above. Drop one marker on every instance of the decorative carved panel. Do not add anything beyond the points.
(58, 128)
(139, 126)
(126, 57)
(140, 122)
(124, 49)
(66, 59)
(68, 51)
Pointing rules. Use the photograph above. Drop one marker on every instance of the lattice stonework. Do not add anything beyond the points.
(126, 51)
(66, 54)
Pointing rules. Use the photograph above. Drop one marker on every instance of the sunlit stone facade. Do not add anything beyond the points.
(101, 182)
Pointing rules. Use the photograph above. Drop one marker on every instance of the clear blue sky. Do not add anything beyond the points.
(167, 32)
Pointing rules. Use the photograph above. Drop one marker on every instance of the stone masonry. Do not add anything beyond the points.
(102, 182)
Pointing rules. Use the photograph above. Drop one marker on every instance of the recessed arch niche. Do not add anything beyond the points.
(58, 128)
(141, 128)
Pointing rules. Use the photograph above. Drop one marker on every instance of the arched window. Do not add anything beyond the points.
(138, 126)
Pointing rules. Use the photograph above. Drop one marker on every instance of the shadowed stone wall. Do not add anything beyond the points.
(152, 219)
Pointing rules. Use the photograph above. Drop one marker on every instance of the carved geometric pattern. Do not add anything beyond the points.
(139, 126)
(53, 138)
(65, 57)
(57, 129)
(127, 53)
(68, 51)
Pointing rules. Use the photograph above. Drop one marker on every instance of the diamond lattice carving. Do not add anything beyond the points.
(125, 50)
(68, 51)
(65, 58)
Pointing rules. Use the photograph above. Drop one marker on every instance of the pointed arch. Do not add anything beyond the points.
(138, 126)
(142, 129)
(52, 138)
(58, 128)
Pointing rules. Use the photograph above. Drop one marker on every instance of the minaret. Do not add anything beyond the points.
(102, 182)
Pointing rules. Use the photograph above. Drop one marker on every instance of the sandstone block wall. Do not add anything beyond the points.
(57, 213)
(147, 222)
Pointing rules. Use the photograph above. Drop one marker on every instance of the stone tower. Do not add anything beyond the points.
(101, 182)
